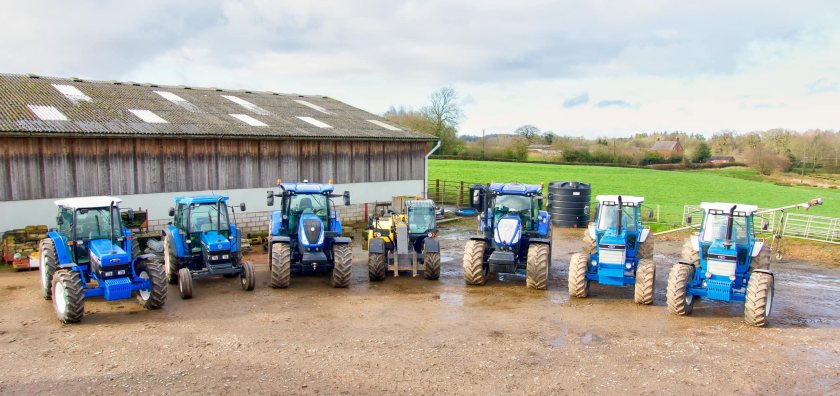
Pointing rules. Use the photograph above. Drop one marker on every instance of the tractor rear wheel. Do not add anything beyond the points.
(645, 282)
(170, 260)
(49, 263)
(759, 301)
(68, 296)
(762, 261)
(185, 283)
(646, 247)
(376, 266)
(246, 277)
(690, 255)
(342, 265)
(281, 265)
(680, 302)
(578, 285)
(155, 296)
(135, 247)
(431, 265)
(589, 245)
(474, 271)
(536, 276)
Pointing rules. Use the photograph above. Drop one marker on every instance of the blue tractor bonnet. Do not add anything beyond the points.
(508, 230)
(307, 188)
(200, 199)
(515, 188)
(311, 230)
(214, 241)
(103, 252)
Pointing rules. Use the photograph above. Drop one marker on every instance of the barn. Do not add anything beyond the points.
(148, 143)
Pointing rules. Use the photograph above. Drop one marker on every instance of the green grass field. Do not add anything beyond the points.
(668, 189)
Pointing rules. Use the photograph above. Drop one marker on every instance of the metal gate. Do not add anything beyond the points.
(814, 228)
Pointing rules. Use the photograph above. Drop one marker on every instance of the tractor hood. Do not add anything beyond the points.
(508, 230)
(311, 230)
(103, 253)
(718, 251)
(215, 242)
(613, 240)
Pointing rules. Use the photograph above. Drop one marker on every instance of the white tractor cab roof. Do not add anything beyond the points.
(87, 202)
(740, 209)
(626, 200)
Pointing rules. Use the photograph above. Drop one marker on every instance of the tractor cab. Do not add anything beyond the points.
(93, 228)
(420, 216)
(405, 241)
(204, 222)
(618, 224)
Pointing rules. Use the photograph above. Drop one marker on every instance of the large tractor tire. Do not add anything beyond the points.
(679, 301)
(281, 265)
(538, 265)
(578, 285)
(474, 271)
(645, 282)
(376, 266)
(154, 297)
(185, 283)
(49, 263)
(170, 261)
(762, 261)
(690, 255)
(135, 248)
(646, 247)
(247, 279)
(68, 296)
(431, 265)
(759, 300)
(342, 266)
(590, 245)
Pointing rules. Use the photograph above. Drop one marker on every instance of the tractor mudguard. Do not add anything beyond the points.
(757, 248)
(591, 231)
(177, 240)
(61, 252)
(284, 239)
(682, 262)
(644, 234)
(695, 242)
(479, 238)
(276, 222)
(340, 240)
(543, 220)
(545, 241)
(768, 272)
(431, 245)
(376, 245)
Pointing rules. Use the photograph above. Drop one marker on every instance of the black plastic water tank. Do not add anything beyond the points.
(568, 203)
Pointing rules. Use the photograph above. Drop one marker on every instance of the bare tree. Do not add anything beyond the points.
(445, 114)
(529, 132)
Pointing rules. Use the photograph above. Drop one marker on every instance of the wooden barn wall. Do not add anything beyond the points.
(38, 168)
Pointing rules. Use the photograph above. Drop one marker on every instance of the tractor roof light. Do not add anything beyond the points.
(279, 181)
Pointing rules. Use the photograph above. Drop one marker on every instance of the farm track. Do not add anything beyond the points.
(410, 335)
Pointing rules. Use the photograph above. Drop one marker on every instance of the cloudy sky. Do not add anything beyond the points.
(594, 68)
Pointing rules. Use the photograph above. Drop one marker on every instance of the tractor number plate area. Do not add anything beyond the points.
(607, 275)
(719, 290)
(116, 289)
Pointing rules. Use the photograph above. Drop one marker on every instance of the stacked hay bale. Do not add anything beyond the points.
(18, 244)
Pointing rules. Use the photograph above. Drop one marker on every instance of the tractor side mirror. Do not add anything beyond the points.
(270, 198)
(688, 220)
(477, 197)
(242, 206)
(130, 214)
(171, 212)
(346, 198)
(765, 226)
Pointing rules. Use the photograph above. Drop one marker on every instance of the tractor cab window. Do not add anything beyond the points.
(421, 219)
(301, 204)
(66, 226)
(608, 217)
(209, 217)
(714, 228)
(92, 224)
(513, 204)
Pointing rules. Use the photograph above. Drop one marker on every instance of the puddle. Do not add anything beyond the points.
(446, 259)
(591, 338)
(558, 298)
(453, 299)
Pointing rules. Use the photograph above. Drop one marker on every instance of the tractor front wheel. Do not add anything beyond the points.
(589, 245)
(342, 266)
(171, 261)
(536, 276)
(246, 277)
(376, 266)
(431, 265)
(759, 301)
(281, 265)
(48, 265)
(185, 283)
(680, 301)
(474, 271)
(578, 285)
(645, 282)
(68, 296)
(155, 296)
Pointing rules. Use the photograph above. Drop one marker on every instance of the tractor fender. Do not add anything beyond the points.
(695, 242)
(276, 222)
(591, 231)
(544, 241)
(431, 245)
(376, 245)
(764, 271)
(757, 248)
(177, 240)
(681, 262)
(479, 238)
(275, 239)
(62, 254)
(342, 240)
(643, 236)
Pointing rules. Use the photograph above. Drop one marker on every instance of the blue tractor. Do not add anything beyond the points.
(515, 234)
(203, 241)
(89, 255)
(305, 234)
(618, 250)
(724, 261)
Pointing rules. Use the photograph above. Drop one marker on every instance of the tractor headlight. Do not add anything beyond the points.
(732, 278)
(431, 235)
(109, 274)
(214, 258)
(230, 237)
(376, 234)
(121, 272)
(225, 256)
(594, 263)
(708, 274)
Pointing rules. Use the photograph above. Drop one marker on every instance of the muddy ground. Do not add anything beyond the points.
(414, 336)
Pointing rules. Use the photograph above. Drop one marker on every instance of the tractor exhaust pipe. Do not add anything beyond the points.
(618, 226)
(730, 219)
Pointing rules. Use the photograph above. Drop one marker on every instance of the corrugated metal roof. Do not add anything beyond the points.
(204, 112)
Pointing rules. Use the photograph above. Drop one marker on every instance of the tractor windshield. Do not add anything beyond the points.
(513, 204)
(608, 217)
(714, 228)
(92, 224)
(209, 217)
(302, 204)
(421, 219)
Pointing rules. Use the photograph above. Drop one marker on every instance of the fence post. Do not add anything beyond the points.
(461, 195)
(437, 190)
